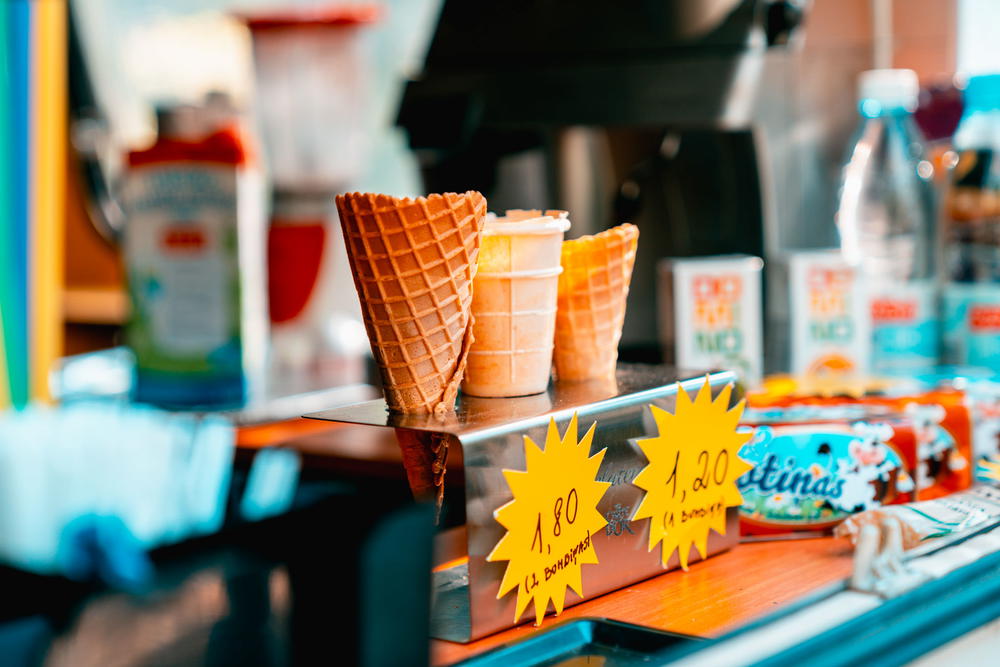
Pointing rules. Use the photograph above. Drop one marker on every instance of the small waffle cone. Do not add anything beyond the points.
(413, 262)
(592, 292)
(425, 459)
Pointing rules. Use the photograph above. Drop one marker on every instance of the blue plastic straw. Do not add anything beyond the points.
(7, 288)
(16, 130)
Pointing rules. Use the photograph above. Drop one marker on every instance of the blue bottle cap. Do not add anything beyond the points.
(983, 92)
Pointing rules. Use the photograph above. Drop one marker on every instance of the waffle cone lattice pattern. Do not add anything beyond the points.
(413, 262)
(592, 292)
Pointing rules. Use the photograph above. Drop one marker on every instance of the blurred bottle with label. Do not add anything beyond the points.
(887, 224)
(972, 231)
(194, 253)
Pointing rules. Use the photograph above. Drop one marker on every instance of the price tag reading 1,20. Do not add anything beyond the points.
(691, 476)
(551, 520)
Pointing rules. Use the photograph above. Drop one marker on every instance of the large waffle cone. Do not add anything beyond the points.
(593, 288)
(413, 262)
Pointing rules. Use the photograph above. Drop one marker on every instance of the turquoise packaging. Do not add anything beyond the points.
(87, 489)
(271, 484)
(905, 329)
(972, 325)
(954, 303)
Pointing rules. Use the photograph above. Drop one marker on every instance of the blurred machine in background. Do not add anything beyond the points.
(314, 89)
(716, 127)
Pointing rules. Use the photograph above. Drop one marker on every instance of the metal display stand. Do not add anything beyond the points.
(486, 436)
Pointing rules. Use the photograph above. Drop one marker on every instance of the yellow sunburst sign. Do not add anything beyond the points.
(550, 520)
(691, 476)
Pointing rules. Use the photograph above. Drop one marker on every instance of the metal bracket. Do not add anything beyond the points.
(486, 436)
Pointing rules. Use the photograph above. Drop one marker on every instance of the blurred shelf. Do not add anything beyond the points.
(97, 305)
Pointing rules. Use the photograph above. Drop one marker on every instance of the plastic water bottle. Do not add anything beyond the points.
(887, 224)
(972, 231)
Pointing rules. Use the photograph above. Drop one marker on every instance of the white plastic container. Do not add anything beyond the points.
(514, 304)
(313, 88)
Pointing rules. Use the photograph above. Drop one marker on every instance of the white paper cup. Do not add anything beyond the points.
(514, 304)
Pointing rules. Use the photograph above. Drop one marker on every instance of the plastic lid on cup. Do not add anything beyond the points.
(983, 92)
(518, 221)
(881, 90)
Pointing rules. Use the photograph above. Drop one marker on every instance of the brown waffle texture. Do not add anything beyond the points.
(593, 289)
(425, 459)
(413, 262)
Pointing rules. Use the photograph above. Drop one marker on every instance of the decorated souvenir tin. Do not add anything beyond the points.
(819, 462)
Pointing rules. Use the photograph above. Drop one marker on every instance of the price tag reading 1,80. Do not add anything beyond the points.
(691, 476)
(572, 505)
(551, 520)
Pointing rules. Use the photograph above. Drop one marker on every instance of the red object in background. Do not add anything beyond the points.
(223, 146)
(939, 111)
(337, 15)
(183, 238)
(984, 318)
(893, 310)
(956, 420)
(294, 258)
(938, 114)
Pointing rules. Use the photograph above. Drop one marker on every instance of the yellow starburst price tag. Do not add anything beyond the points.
(551, 520)
(692, 472)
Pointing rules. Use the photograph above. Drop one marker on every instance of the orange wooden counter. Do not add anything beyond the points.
(712, 598)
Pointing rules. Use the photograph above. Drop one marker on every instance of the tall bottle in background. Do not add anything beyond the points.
(972, 231)
(887, 224)
(194, 255)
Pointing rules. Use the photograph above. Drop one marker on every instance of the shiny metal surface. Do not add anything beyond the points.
(490, 434)
(481, 417)
(108, 375)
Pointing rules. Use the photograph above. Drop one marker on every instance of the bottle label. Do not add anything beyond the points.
(972, 324)
(904, 327)
(182, 260)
